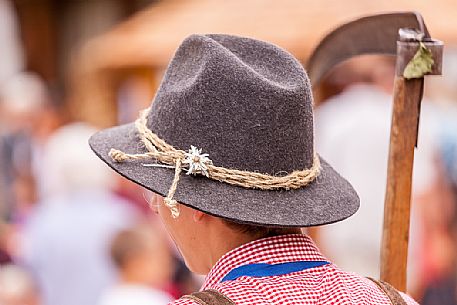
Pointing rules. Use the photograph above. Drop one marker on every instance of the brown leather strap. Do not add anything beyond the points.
(209, 297)
(392, 293)
(214, 297)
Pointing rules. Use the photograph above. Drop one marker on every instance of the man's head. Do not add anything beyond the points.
(17, 286)
(65, 157)
(142, 256)
(22, 98)
(202, 238)
(228, 140)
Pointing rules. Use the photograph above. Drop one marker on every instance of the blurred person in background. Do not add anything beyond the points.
(17, 287)
(439, 265)
(144, 262)
(23, 98)
(12, 62)
(66, 240)
(366, 87)
(5, 257)
(439, 218)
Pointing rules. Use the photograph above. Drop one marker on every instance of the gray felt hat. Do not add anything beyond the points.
(248, 104)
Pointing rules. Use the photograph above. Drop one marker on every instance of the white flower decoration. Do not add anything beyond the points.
(197, 161)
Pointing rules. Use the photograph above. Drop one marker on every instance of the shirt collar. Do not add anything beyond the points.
(270, 250)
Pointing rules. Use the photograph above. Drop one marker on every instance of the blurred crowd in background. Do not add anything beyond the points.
(74, 233)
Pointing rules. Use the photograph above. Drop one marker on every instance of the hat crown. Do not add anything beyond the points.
(246, 103)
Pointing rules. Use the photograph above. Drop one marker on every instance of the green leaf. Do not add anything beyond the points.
(420, 64)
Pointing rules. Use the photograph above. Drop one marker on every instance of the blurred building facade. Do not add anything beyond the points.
(52, 30)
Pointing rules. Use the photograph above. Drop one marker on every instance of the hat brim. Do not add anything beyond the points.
(328, 199)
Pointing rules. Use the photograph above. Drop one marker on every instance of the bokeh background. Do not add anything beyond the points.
(72, 232)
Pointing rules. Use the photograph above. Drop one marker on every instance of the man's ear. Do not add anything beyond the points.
(198, 215)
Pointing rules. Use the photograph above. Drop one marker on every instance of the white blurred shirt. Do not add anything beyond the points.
(129, 294)
(66, 244)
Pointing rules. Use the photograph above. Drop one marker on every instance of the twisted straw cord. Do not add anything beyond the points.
(166, 154)
(150, 139)
(169, 201)
(295, 180)
(167, 158)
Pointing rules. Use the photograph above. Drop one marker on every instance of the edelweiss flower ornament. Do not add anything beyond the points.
(197, 161)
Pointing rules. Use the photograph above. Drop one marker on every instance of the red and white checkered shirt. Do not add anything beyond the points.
(319, 285)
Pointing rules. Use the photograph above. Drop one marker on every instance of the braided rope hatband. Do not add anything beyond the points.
(197, 163)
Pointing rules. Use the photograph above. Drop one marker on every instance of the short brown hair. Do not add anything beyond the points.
(258, 231)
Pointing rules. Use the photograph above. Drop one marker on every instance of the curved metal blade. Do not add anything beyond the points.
(375, 34)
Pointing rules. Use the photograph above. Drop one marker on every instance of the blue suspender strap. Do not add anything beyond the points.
(262, 269)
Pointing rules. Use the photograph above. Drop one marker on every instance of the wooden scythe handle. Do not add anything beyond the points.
(378, 34)
(403, 132)
(403, 139)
